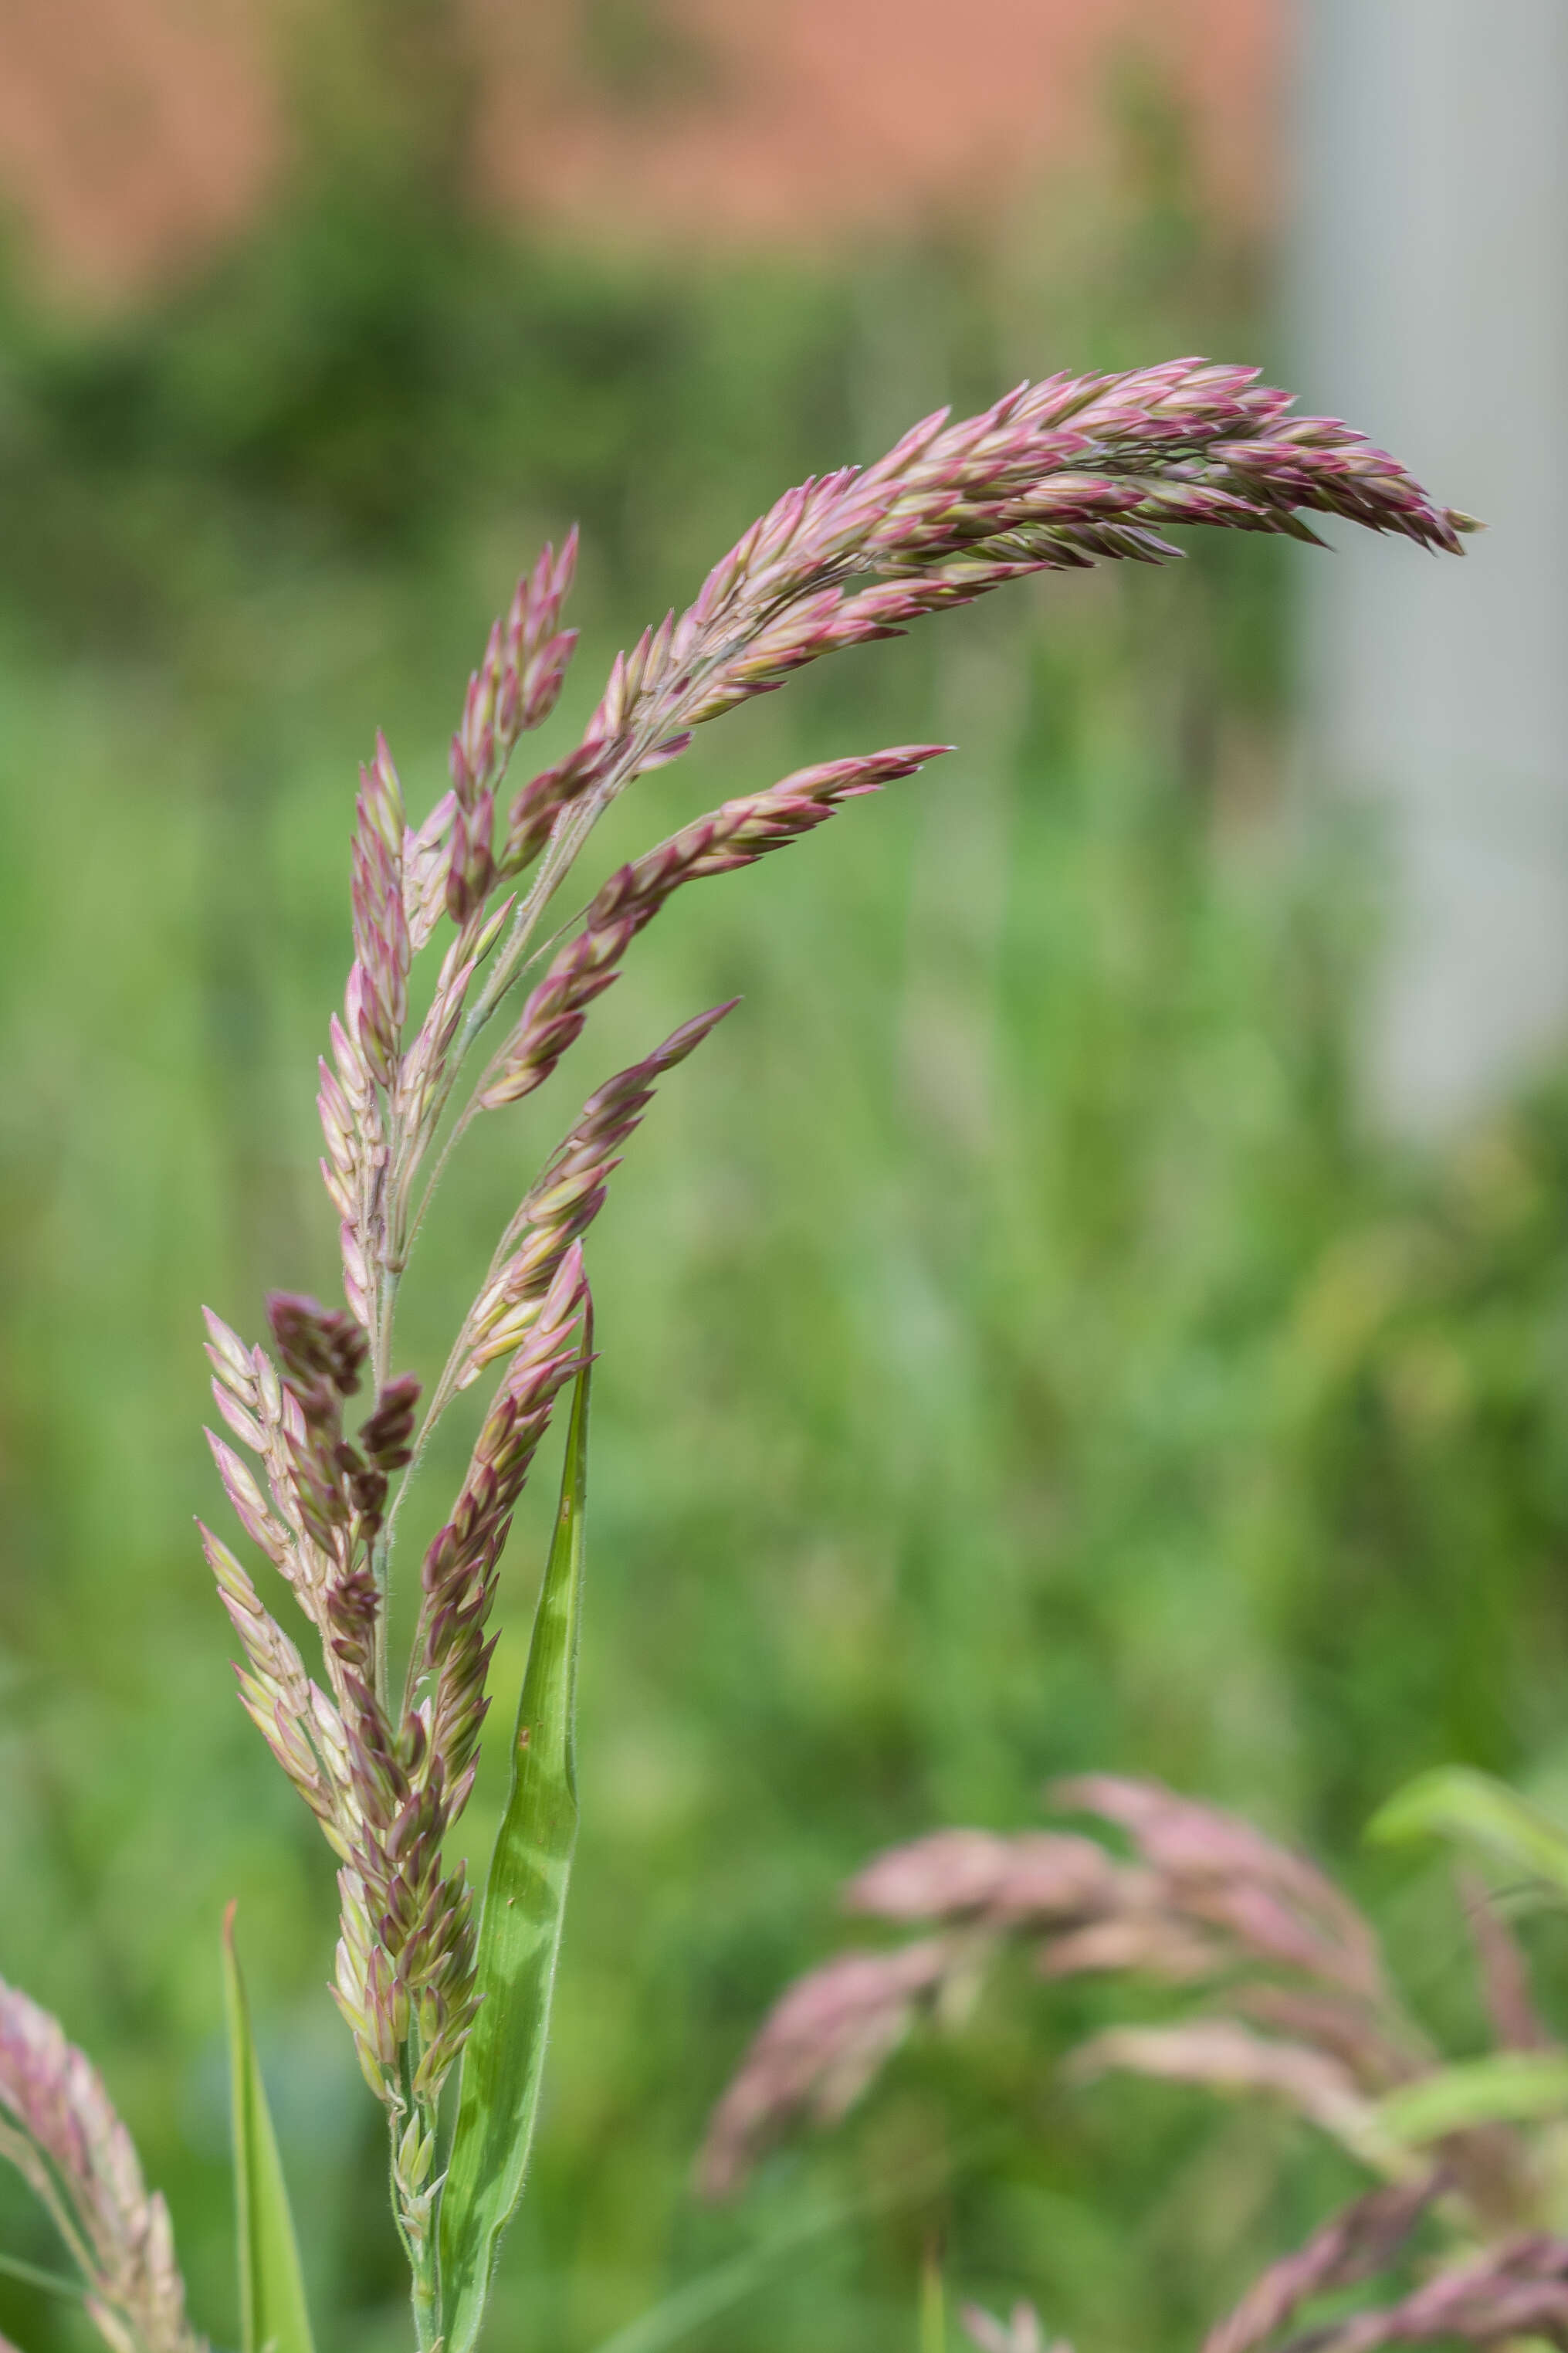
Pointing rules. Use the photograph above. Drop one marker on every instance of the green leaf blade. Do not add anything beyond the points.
(274, 2316)
(1507, 2088)
(1456, 1802)
(519, 1930)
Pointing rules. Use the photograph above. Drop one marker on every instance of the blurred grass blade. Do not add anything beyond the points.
(1508, 2087)
(34, 2275)
(520, 1933)
(695, 2302)
(1454, 1801)
(273, 2316)
(933, 2302)
(693, 2305)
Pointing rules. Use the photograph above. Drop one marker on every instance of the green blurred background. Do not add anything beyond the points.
(1016, 1358)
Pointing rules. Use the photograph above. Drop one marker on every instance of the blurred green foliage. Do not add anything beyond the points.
(1014, 1357)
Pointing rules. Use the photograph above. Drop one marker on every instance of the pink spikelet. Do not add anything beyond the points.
(383, 949)
(518, 683)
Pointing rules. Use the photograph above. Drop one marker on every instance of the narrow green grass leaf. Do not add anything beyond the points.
(1507, 2088)
(1454, 1801)
(273, 2316)
(52, 2282)
(520, 1932)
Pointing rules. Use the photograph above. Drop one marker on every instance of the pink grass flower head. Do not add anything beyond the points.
(461, 1001)
(58, 2129)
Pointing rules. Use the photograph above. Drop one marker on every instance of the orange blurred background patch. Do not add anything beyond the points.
(137, 135)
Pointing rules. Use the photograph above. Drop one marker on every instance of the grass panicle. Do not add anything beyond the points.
(1054, 476)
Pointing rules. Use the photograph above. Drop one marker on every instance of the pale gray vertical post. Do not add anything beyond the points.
(1430, 301)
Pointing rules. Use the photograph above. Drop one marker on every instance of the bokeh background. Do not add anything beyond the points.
(1103, 1302)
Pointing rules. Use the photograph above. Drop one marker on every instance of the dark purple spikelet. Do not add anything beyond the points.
(336, 1482)
(385, 1444)
(320, 1350)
